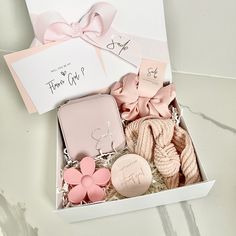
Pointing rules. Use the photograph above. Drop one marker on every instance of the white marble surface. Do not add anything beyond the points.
(27, 144)
(202, 36)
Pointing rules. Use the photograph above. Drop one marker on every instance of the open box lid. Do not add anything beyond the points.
(144, 20)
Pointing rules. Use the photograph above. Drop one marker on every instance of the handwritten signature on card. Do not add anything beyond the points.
(117, 45)
(68, 77)
(152, 72)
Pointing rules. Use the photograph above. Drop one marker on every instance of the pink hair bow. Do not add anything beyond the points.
(133, 104)
(94, 27)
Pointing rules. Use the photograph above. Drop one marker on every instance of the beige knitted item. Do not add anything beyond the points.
(167, 145)
(188, 160)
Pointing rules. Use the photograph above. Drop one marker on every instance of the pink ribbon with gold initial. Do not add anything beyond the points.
(94, 27)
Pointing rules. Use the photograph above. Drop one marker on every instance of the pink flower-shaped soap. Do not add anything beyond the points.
(87, 181)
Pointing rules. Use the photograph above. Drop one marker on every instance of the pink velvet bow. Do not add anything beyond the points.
(133, 105)
(94, 27)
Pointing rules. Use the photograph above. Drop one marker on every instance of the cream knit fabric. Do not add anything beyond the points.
(167, 145)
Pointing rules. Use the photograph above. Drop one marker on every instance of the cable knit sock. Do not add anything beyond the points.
(167, 145)
(188, 159)
(139, 138)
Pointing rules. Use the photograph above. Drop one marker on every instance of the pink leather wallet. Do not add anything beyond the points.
(91, 125)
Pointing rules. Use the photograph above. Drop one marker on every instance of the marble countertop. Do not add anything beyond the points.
(27, 166)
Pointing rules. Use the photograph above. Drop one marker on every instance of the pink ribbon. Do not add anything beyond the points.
(94, 27)
(133, 104)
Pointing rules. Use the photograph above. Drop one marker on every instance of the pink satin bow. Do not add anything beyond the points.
(94, 27)
(51, 26)
(133, 105)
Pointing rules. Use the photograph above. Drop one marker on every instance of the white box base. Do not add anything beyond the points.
(91, 211)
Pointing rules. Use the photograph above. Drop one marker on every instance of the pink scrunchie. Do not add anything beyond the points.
(131, 103)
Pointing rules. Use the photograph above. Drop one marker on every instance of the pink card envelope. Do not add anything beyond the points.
(13, 57)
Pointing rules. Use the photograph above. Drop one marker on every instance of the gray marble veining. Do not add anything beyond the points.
(205, 117)
(166, 221)
(190, 218)
(13, 221)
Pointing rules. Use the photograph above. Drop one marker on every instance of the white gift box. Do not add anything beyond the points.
(141, 19)
(91, 211)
